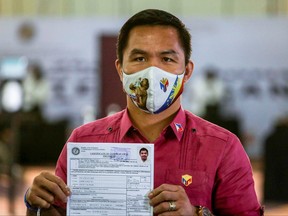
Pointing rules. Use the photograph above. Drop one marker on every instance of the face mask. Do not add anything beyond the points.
(152, 89)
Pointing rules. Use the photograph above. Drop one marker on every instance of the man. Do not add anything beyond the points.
(36, 91)
(200, 168)
(143, 154)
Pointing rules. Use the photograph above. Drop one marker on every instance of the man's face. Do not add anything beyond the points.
(157, 46)
(143, 155)
(153, 46)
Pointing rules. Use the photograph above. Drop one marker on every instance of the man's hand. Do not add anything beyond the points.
(47, 188)
(170, 199)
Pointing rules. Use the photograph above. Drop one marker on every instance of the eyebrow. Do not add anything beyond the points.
(169, 52)
(165, 52)
(137, 51)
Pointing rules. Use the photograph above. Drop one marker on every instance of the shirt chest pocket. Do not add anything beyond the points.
(194, 182)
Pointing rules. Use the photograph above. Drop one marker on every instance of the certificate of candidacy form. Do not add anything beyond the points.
(109, 179)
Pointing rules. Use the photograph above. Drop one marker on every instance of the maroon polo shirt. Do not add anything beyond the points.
(209, 162)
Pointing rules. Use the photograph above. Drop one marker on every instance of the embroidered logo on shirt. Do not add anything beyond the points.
(186, 179)
(179, 127)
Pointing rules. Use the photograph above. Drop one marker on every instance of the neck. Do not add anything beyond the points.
(151, 125)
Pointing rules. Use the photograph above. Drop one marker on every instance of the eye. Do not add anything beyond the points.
(140, 59)
(167, 59)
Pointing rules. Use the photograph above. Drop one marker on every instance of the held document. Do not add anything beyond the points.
(109, 179)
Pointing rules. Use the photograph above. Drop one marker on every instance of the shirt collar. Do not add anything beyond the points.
(125, 125)
(178, 124)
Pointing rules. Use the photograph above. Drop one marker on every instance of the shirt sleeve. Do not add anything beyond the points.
(234, 192)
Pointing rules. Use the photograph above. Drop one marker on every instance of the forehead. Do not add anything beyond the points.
(153, 36)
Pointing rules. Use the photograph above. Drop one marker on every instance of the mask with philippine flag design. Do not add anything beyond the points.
(153, 90)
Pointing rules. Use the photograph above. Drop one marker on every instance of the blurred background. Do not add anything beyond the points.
(57, 73)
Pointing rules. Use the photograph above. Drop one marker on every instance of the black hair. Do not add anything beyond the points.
(154, 17)
(143, 149)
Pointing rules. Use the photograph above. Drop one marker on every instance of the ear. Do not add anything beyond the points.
(119, 69)
(188, 71)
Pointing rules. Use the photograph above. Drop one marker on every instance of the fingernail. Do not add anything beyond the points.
(68, 190)
(150, 195)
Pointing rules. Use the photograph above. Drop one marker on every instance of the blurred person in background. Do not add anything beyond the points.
(276, 163)
(206, 92)
(6, 157)
(156, 45)
(207, 98)
(36, 91)
(8, 165)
